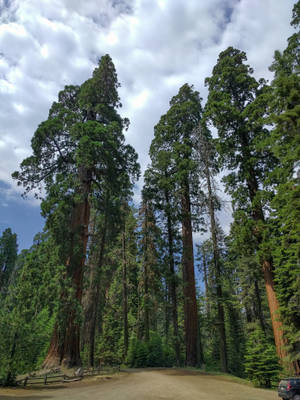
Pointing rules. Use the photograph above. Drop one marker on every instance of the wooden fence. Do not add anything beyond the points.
(59, 378)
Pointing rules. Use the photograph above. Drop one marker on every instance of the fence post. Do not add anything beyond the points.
(45, 380)
(25, 381)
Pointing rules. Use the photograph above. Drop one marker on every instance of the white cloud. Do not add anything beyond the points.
(156, 45)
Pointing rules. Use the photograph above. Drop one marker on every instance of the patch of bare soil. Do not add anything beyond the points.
(168, 384)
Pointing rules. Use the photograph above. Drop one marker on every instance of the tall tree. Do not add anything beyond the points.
(158, 181)
(236, 105)
(77, 151)
(174, 137)
(128, 238)
(208, 168)
(150, 279)
(284, 143)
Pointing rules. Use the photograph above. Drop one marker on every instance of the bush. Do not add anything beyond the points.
(152, 354)
(141, 359)
(155, 351)
(261, 364)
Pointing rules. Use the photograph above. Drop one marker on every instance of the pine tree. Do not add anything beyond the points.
(261, 363)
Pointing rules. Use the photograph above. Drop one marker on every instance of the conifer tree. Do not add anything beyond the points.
(208, 168)
(261, 361)
(150, 277)
(284, 143)
(8, 256)
(158, 182)
(236, 105)
(78, 151)
(174, 139)
(28, 310)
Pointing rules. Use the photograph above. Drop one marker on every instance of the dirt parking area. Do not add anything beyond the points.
(166, 384)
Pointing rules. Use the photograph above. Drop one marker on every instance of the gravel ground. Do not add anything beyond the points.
(166, 384)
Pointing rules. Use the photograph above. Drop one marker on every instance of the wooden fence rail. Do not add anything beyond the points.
(59, 378)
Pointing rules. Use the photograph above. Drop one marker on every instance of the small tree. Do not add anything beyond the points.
(155, 354)
(261, 365)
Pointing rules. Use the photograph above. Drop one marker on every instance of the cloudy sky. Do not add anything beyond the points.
(156, 45)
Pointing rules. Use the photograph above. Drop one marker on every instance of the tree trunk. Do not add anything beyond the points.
(167, 308)
(146, 273)
(216, 259)
(146, 312)
(266, 262)
(274, 310)
(189, 287)
(96, 293)
(172, 281)
(258, 308)
(64, 347)
(205, 278)
(91, 279)
(267, 268)
(125, 296)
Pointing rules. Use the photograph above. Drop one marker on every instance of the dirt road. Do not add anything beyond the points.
(167, 384)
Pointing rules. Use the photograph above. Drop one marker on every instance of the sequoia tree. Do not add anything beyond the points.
(174, 138)
(77, 152)
(284, 143)
(236, 105)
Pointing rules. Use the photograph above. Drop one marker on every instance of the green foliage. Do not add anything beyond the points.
(261, 365)
(8, 257)
(284, 142)
(28, 311)
(235, 335)
(24, 341)
(142, 352)
(154, 353)
(80, 159)
(155, 350)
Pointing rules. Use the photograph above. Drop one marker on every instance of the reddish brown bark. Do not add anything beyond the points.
(270, 290)
(64, 347)
(172, 281)
(189, 287)
(258, 216)
(274, 310)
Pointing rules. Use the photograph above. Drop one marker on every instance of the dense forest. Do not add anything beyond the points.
(112, 282)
